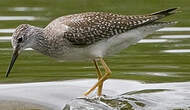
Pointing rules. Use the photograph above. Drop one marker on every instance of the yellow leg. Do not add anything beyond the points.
(106, 75)
(99, 73)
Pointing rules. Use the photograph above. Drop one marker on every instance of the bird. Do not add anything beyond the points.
(88, 36)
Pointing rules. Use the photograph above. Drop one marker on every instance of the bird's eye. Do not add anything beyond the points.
(19, 39)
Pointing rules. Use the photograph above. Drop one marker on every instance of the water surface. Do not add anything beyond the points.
(120, 95)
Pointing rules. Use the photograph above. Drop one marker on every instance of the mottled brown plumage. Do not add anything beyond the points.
(88, 28)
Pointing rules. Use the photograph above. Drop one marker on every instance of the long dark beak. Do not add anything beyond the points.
(14, 57)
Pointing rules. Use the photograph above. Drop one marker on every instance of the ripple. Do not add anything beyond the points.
(21, 18)
(7, 31)
(177, 51)
(152, 73)
(146, 91)
(175, 29)
(5, 38)
(4, 49)
(155, 41)
(175, 36)
(26, 9)
(157, 74)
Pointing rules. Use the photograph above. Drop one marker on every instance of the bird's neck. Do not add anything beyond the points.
(40, 42)
(48, 44)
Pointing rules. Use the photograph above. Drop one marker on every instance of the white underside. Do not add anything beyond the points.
(113, 45)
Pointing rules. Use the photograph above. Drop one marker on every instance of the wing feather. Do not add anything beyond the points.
(87, 28)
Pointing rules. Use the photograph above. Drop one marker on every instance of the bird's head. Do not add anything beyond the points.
(21, 39)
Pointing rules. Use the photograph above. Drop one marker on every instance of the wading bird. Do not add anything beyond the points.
(87, 36)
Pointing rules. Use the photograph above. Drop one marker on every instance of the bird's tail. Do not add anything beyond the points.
(164, 13)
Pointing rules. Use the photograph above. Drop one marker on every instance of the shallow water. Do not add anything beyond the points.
(162, 58)
(120, 95)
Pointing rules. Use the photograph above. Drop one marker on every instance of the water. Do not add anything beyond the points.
(120, 95)
(161, 58)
